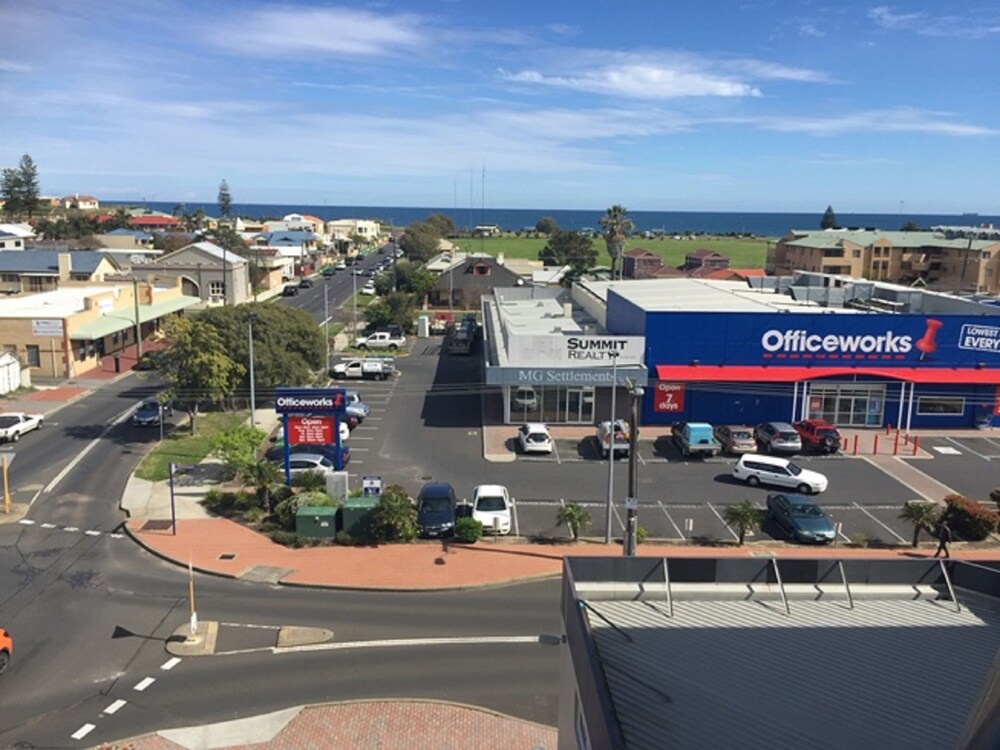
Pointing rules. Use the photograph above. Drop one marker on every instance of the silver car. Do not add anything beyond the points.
(735, 439)
(778, 437)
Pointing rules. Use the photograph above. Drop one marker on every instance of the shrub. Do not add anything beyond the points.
(235, 448)
(575, 517)
(253, 515)
(969, 519)
(286, 538)
(344, 539)
(310, 481)
(394, 519)
(860, 539)
(640, 534)
(995, 495)
(223, 502)
(468, 530)
(285, 510)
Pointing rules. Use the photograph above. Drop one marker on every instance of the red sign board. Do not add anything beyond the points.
(310, 430)
(996, 403)
(669, 397)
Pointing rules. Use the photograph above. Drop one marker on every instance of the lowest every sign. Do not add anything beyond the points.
(980, 338)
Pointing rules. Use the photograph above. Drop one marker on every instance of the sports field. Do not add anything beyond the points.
(742, 253)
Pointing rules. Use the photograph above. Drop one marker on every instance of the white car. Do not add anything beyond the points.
(368, 289)
(534, 438)
(13, 424)
(299, 463)
(780, 472)
(491, 505)
(341, 266)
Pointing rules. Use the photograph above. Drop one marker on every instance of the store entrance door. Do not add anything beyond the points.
(579, 405)
(848, 404)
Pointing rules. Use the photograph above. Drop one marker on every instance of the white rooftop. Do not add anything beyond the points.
(61, 303)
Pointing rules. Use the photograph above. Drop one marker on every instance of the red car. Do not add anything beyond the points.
(818, 436)
(6, 649)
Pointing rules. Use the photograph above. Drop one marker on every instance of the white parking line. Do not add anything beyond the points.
(92, 532)
(83, 731)
(170, 663)
(113, 708)
(26, 521)
(70, 528)
(670, 518)
(719, 516)
(513, 512)
(964, 447)
(887, 528)
(144, 684)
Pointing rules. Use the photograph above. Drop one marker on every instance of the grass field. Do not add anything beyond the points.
(742, 253)
(181, 447)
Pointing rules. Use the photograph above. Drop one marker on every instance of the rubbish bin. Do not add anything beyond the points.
(318, 521)
(356, 515)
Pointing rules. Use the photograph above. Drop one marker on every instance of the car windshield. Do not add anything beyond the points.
(435, 503)
(788, 435)
(740, 434)
(826, 431)
(807, 509)
(8, 421)
(794, 469)
(537, 437)
(490, 503)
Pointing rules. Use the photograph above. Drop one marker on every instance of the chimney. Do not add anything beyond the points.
(64, 264)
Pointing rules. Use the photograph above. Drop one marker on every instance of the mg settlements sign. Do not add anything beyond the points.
(574, 359)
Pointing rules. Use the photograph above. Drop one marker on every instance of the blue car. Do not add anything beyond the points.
(800, 517)
(436, 510)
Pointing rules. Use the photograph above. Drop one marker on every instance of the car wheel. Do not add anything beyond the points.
(753, 481)
(40, 423)
(829, 444)
(362, 346)
(15, 437)
(805, 489)
(393, 347)
(4, 660)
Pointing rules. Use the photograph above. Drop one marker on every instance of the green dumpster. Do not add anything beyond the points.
(356, 515)
(316, 521)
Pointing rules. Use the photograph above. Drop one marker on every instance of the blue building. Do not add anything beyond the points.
(857, 353)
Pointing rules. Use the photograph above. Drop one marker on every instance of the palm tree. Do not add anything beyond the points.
(923, 515)
(617, 226)
(265, 477)
(745, 517)
(575, 517)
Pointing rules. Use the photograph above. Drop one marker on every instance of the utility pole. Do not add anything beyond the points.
(253, 395)
(632, 500)
(611, 453)
(326, 321)
(138, 323)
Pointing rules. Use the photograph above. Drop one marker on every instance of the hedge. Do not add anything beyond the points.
(969, 519)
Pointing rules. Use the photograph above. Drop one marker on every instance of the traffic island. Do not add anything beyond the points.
(200, 643)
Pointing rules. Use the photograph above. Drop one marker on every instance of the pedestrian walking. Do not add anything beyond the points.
(944, 538)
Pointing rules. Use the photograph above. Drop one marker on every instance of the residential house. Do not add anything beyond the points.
(125, 239)
(299, 252)
(940, 260)
(487, 230)
(704, 260)
(12, 376)
(463, 284)
(23, 231)
(81, 202)
(32, 271)
(345, 229)
(295, 223)
(11, 242)
(640, 263)
(152, 222)
(63, 333)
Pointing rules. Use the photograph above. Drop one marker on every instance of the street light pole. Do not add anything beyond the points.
(354, 283)
(253, 394)
(326, 320)
(611, 452)
(632, 500)
(138, 323)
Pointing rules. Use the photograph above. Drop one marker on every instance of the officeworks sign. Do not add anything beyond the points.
(574, 350)
(309, 400)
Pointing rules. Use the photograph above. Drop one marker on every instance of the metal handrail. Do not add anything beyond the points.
(670, 597)
(781, 585)
(847, 586)
(951, 590)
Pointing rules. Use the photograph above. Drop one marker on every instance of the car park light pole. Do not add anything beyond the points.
(326, 321)
(611, 453)
(632, 501)
(253, 395)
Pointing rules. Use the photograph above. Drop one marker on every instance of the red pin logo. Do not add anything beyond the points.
(926, 344)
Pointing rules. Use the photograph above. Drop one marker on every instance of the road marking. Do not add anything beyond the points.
(406, 642)
(963, 446)
(170, 663)
(247, 625)
(90, 446)
(946, 450)
(144, 684)
(83, 731)
(91, 532)
(48, 525)
(719, 516)
(116, 536)
(670, 518)
(113, 708)
(26, 521)
(887, 528)
(70, 528)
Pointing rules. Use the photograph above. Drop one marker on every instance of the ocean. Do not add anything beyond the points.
(514, 219)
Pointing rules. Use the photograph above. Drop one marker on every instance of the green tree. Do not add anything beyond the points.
(421, 242)
(910, 226)
(617, 226)
(196, 366)
(574, 517)
(923, 515)
(391, 308)
(225, 200)
(394, 519)
(267, 480)
(546, 225)
(566, 248)
(19, 188)
(744, 517)
(236, 448)
(442, 224)
(829, 220)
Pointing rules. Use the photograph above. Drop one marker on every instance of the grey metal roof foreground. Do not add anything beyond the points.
(899, 673)
(47, 261)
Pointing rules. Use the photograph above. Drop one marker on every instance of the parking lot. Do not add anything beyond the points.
(426, 424)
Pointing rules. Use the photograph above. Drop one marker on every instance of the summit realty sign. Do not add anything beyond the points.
(575, 350)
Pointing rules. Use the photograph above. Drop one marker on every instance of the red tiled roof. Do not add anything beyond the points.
(640, 252)
(154, 221)
(729, 273)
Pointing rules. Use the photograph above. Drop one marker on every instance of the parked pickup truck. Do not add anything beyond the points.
(374, 368)
(616, 440)
(13, 424)
(695, 438)
(380, 340)
(818, 435)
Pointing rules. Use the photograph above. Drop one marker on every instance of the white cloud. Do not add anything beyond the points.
(898, 120)
(9, 66)
(303, 32)
(638, 82)
(975, 24)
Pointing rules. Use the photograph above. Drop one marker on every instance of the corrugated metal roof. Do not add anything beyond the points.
(865, 237)
(889, 673)
(47, 261)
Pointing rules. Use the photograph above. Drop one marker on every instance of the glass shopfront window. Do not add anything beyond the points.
(554, 404)
(847, 404)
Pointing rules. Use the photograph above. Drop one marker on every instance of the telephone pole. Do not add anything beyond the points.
(632, 500)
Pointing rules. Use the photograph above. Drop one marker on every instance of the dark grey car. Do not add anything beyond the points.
(436, 509)
(800, 517)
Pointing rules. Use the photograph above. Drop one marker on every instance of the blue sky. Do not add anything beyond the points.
(715, 106)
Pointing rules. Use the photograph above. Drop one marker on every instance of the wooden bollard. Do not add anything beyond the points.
(875, 446)
(895, 444)
(916, 444)
(855, 445)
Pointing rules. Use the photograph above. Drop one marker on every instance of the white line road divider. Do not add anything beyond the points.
(144, 684)
(113, 708)
(83, 731)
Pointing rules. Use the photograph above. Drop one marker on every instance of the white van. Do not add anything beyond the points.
(780, 472)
